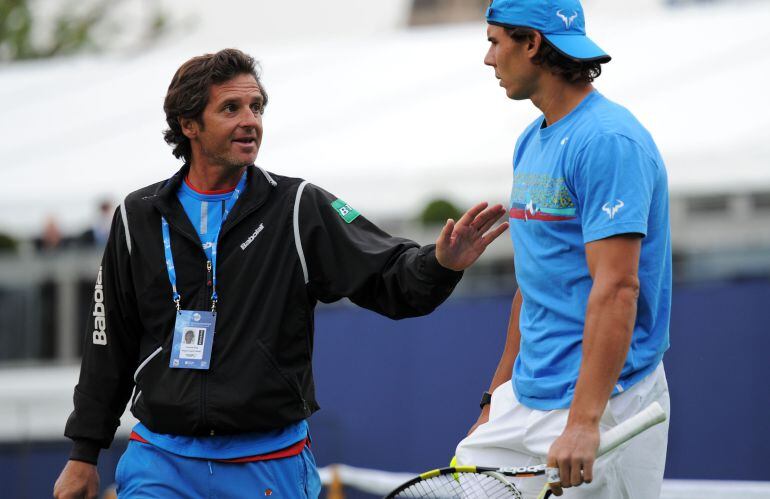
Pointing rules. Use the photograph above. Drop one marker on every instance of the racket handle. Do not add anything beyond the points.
(628, 429)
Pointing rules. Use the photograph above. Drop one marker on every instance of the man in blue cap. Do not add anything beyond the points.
(590, 229)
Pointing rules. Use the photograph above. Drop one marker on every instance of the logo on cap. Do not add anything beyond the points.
(567, 20)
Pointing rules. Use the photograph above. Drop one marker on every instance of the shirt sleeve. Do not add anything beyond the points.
(613, 180)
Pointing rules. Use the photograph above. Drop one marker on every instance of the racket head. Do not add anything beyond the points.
(466, 482)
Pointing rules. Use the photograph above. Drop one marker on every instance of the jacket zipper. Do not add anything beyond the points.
(204, 376)
(209, 285)
(209, 278)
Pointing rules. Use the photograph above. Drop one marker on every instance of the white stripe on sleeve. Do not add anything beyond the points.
(297, 240)
(124, 215)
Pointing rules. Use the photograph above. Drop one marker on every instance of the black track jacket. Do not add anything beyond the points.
(282, 248)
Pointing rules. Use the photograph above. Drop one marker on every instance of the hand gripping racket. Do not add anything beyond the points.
(472, 482)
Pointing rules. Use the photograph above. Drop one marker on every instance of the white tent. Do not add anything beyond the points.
(391, 118)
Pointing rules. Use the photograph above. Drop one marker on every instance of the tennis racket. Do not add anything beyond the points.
(482, 483)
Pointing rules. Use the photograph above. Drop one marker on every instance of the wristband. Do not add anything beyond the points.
(486, 399)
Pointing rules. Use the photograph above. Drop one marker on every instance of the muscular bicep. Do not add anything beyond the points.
(614, 260)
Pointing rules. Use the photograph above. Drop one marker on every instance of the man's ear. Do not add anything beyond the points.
(533, 44)
(190, 127)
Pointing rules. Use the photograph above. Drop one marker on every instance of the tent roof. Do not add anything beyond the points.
(389, 120)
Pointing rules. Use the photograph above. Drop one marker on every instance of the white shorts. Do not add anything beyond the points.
(519, 436)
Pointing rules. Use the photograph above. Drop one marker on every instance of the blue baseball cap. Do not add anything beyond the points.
(561, 22)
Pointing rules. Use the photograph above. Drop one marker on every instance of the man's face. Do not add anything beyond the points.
(512, 63)
(230, 131)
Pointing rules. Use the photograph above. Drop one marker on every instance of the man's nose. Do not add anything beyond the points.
(250, 119)
(489, 58)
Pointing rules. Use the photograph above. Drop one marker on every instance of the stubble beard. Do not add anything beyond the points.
(226, 160)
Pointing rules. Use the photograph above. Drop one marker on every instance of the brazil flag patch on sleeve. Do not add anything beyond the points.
(344, 210)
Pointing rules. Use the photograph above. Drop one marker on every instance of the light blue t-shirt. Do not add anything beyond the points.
(593, 174)
(205, 212)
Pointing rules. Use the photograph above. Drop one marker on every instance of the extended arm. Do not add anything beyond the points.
(610, 316)
(510, 352)
(348, 256)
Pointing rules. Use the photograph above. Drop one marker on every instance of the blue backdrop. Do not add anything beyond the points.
(399, 395)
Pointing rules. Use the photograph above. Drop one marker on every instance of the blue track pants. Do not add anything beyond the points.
(145, 472)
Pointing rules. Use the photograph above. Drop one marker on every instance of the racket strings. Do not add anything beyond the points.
(462, 485)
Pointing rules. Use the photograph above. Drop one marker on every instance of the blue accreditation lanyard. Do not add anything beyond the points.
(213, 262)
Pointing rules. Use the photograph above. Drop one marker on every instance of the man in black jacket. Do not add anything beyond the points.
(226, 247)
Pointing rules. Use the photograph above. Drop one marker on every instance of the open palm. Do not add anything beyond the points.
(461, 243)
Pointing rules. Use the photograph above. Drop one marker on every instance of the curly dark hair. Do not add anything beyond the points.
(188, 92)
(556, 61)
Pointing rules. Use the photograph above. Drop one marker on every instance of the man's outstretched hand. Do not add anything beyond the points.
(461, 243)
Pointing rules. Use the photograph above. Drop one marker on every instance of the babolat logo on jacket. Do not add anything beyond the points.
(100, 321)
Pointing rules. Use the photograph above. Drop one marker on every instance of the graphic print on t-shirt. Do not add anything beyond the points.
(537, 196)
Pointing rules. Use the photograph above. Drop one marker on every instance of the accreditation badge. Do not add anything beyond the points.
(193, 339)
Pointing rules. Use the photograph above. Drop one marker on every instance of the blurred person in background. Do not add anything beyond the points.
(51, 239)
(590, 230)
(97, 234)
(225, 246)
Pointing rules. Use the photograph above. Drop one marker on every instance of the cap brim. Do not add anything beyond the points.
(578, 47)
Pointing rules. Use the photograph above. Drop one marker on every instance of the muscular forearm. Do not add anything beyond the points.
(610, 317)
(609, 324)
